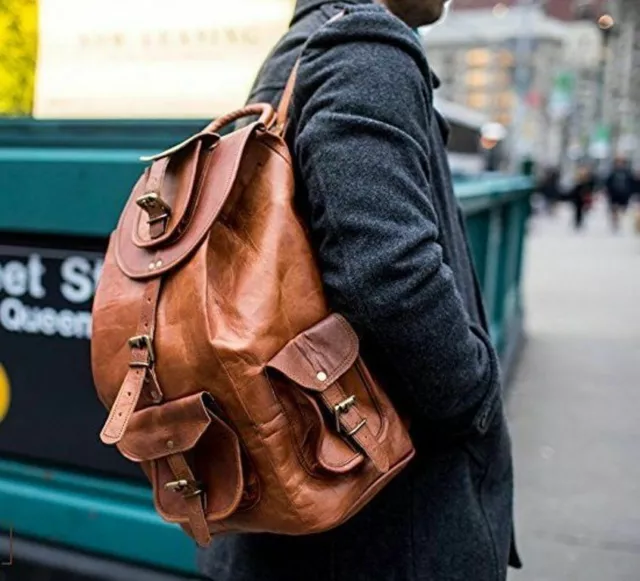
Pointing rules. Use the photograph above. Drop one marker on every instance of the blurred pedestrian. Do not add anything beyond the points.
(581, 195)
(374, 186)
(549, 188)
(620, 185)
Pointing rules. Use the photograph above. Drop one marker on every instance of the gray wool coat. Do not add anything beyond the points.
(374, 185)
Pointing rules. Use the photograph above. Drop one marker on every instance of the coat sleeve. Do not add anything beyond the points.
(362, 150)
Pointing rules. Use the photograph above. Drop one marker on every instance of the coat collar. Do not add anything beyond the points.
(303, 7)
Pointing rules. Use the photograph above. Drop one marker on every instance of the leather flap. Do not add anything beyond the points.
(317, 357)
(178, 188)
(172, 427)
(216, 173)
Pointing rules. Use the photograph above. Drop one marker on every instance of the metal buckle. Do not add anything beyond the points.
(188, 489)
(176, 485)
(357, 428)
(142, 342)
(152, 202)
(342, 408)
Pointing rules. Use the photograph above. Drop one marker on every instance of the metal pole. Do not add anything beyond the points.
(602, 73)
(523, 50)
(600, 135)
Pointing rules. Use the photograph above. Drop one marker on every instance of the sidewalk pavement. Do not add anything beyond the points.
(574, 405)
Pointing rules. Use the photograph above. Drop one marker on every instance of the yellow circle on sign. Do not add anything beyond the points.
(5, 393)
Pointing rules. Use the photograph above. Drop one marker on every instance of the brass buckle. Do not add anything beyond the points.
(342, 408)
(188, 489)
(142, 342)
(357, 428)
(152, 202)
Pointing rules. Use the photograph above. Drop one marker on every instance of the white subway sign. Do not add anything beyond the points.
(43, 292)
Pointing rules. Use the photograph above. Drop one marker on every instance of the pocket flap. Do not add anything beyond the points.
(317, 357)
(170, 428)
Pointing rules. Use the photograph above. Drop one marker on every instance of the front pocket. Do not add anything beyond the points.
(318, 448)
(190, 429)
(329, 399)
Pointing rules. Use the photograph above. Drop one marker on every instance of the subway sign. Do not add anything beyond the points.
(51, 300)
(49, 411)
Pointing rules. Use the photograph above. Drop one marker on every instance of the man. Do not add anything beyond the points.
(375, 189)
(619, 186)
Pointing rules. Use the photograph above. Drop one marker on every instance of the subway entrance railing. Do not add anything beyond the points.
(74, 504)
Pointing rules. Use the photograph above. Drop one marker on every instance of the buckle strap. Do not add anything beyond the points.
(193, 496)
(354, 424)
(123, 408)
(158, 210)
(140, 372)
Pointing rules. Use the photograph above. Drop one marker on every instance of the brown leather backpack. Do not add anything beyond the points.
(242, 397)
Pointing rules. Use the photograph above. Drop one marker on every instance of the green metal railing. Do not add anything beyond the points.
(71, 180)
(496, 211)
(103, 516)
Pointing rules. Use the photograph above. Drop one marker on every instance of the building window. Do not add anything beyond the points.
(478, 57)
(506, 58)
(477, 100)
(504, 119)
(477, 78)
(505, 101)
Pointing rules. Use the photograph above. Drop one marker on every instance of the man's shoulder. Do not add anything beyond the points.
(362, 24)
(345, 34)
(365, 44)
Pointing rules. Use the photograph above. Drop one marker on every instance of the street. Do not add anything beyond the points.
(575, 403)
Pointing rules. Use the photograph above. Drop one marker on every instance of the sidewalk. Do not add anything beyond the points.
(575, 404)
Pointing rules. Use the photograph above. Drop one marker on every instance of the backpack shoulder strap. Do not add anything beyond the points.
(282, 115)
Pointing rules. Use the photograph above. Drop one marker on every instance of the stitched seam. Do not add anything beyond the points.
(278, 153)
(353, 353)
(257, 432)
(189, 211)
(256, 428)
(374, 400)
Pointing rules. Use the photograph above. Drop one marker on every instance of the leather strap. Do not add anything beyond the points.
(265, 111)
(157, 209)
(195, 506)
(139, 368)
(282, 116)
(353, 424)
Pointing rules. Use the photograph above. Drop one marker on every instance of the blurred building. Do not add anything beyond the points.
(503, 63)
(623, 114)
(545, 70)
(474, 54)
(566, 10)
